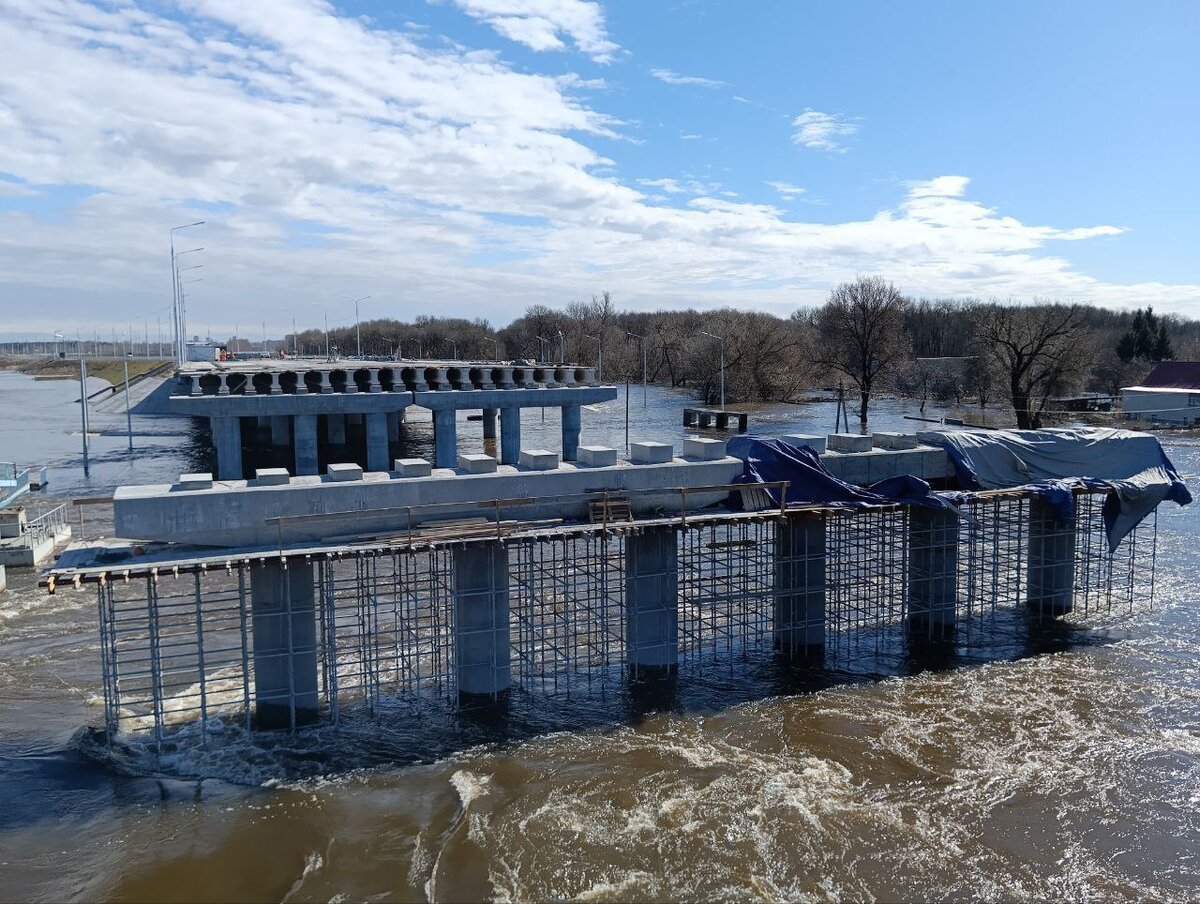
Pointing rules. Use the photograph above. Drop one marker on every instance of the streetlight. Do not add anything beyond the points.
(179, 313)
(417, 339)
(545, 343)
(599, 357)
(454, 347)
(645, 391)
(496, 343)
(721, 340)
(562, 347)
(357, 328)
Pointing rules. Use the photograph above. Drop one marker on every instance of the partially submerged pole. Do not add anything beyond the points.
(83, 412)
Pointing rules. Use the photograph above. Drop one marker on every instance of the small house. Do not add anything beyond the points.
(1171, 394)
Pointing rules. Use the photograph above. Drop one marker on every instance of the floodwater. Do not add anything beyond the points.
(1071, 774)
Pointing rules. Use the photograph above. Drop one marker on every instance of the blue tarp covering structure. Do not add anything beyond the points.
(770, 460)
(1051, 463)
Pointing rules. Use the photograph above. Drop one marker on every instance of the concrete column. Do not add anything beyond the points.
(301, 386)
(510, 435)
(377, 442)
(335, 429)
(800, 586)
(502, 377)
(571, 425)
(393, 426)
(304, 430)
(651, 601)
(249, 389)
(481, 632)
(374, 384)
(932, 569)
(223, 388)
(489, 423)
(280, 430)
(284, 625)
(276, 389)
(445, 438)
(227, 439)
(197, 389)
(326, 386)
(1050, 566)
(589, 376)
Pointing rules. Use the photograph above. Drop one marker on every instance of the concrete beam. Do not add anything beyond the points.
(652, 601)
(284, 627)
(234, 513)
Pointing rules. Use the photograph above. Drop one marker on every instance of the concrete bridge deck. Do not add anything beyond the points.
(307, 404)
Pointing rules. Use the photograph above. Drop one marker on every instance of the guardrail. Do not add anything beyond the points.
(47, 526)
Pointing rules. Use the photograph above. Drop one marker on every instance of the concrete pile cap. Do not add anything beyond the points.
(650, 452)
(539, 459)
(895, 441)
(703, 448)
(816, 443)
(596, 456)
(197, 481)
(272, 477)
(477, 464)
(849, 442)
(344, 471)
(412, 467)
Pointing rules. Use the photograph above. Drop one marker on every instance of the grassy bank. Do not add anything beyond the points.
(110, 369)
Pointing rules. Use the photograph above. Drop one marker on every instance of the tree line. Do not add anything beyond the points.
(867, 335)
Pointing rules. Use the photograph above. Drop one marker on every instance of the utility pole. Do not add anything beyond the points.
(128, 416)
(83, 412)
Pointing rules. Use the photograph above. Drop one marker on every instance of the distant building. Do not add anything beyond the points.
(1171, 394)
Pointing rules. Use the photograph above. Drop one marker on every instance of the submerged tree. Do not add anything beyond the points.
(1038, 351)
(862, 334)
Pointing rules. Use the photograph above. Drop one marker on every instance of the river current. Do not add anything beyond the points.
(1073, 773)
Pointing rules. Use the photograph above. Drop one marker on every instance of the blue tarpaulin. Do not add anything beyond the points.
(1052, 463)
(769, 460)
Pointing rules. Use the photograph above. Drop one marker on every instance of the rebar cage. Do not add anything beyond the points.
(178, 642)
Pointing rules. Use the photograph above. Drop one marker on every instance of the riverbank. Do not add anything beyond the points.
(111, 370)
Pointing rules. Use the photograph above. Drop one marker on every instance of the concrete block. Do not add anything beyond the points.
(816, 443)
(477, 464)
(272, 477)
(882, 464)
(895, 441)
(202, 481)
(849, 442)
(539, 459)
(597, 456)
(412, 467)
(705, 449)
(651, 453)
(344, 471)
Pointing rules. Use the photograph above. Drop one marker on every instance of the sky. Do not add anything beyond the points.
(473, 157)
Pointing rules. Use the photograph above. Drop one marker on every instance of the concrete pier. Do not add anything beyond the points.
(481, 631)
(281, 430)
(445, 438)
(489, 423)
(304, 428)
(377, 441)
(510, 436)
(651, 601)
(932, 570)
(571, 426)
(284, 627)
(800, 560)
(1050, 566)
(335, 429)
(227, 439)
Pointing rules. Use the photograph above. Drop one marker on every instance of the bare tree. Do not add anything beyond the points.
(1038, 350)
(862, 334)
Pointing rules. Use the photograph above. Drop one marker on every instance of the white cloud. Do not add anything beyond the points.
(538, 24)
(674, 78)
(822, 131)
(670, 186)
(331, 157)
(690, 136)
(787, 189)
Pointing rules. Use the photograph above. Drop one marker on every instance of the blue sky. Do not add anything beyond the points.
(482, 155)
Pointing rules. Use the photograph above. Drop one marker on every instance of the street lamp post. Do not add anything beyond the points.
(454, 349)
(496, 343)
(721, 340)
(357, 327)
(544, 344)
(645, 391)
(179, 315)
(562, 347)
